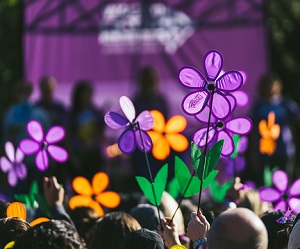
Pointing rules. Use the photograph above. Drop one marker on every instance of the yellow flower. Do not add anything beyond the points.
(270, 133)
(166, 135)
(92, 195)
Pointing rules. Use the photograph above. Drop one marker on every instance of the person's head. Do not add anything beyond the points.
(55, 234)
(11, 228)
(47, 86)
(147, 215)
(82, 95)
(270, 85)
(278, 232)
(294, 239)
(112, 228)
(148, 81)
(237, 228)
(85, 220)
(143, 238)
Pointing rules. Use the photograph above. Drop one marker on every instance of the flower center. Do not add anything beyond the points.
(133, 125)
(94, 197)
(44, 145)
(220, 124)
(285, 196)
(211, 86)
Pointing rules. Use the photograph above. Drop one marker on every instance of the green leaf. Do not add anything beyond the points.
(43, 205)
(183, 177)
(172, 188)
(198, 159)
(219, 191)
(268, 182)
(213, 157)
(158, 185)
(29, 200)
(236, 139)
(211, 176)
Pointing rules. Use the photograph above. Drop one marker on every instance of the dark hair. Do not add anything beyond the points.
(55, 234)
(11, 228)
(3, 206)
(147, 81)
(112, 228)
(85, 220)
(82, 87)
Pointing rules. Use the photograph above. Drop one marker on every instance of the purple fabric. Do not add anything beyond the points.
(69, 55)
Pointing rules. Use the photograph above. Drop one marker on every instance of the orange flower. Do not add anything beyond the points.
(17, 209)
(270, 133)
(92, 195)
(166, 135)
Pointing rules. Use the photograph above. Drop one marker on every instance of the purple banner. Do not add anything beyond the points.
(108, 41)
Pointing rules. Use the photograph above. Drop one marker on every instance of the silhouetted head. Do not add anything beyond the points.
(270, 85)
(148, 81)
(47, 85)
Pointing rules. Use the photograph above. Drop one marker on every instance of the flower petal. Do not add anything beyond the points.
(191, 78)
(144, 142)
(12, 178)
(195, 102)
(199, 137)
(295, 188)
(267, 146)
(203, 116)
(239, 125)
(232, 101)
(228, 146)
(100, 182)
(230, 81)
(145, 119)
(159, 121)
(58, 153)
(242, 144)
(263, 128)
(127, 108)
(109, 199)
(96, 206)
(19, 155)
(29, 146)
(41, 160)
(35, 130)
(213, 63)
(281, 205)
(269, 194)
(294, 204)
(176, 124)
(178, 142)
(280, 180)
(82, 186)
(161, 148)
(221, 106)
(115, 120)
(16, 209)
(21, 171)
(79, 201)
(10, 151)
(241, 98)
(127, 141)
(55, 134)
(5, 164)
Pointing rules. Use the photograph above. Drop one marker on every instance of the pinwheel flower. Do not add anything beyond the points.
(44, 145)
(135, 128)
(13, 164)
(166, 135)
(283, 197)
(92, 195)
(204, 87)
(270, 133)
(222, 129)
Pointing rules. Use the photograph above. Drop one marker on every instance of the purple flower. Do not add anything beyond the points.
(221, 129)
(196, 101)
(280, 195)
(42, 145)
(13, 164)
(135, 128)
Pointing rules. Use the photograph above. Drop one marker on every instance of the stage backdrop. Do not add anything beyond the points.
(108, 41)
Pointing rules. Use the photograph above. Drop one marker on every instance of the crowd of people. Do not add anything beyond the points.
(228, 226)
(241, 221)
